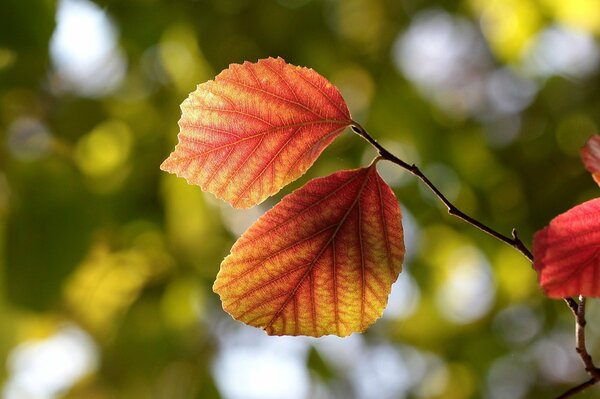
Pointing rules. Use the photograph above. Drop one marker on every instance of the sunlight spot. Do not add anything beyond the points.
(468, 292)
(559, 50)
(412, 234)
(435, 380)
(445, 57)
(46, 369)
(341, 352)
(381, 373)
(404, 299)
(252, 365)
(235, 220)
(509, 26)
(182, 59)
(84, 49)
(105, 150)
(580, 14)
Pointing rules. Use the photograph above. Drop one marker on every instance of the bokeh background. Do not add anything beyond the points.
(106, 263)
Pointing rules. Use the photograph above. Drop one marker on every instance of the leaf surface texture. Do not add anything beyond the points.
(567, 252)
(255, 128)
(320, 262)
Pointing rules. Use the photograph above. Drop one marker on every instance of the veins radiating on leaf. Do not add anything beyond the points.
(244, 161)
(305, 267)
(566, 252)
(283, 99)
(298, 208)
(210, 89)
(290, 114)
(362, 267)
(270, 162)
(258, 263)
(572, 272)
(334, 103)
(284, 81)
(384, 229)
(310, 152)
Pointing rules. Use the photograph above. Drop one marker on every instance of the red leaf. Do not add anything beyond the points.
(255, 128)
(322, 261)
(566, 253)
(590, 154)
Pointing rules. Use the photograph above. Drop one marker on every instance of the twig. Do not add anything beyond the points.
(578, 388)
(580, 336)
(514, 242)
(581, 349)
(573, 305)
(577, 308)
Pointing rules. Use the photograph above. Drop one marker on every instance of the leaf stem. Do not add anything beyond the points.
(514, 242)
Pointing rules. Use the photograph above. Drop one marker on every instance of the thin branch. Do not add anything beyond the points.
(579, 388)
(580, 337)
(573, 305)
(514, 242)
(581, 349)
(577, 308)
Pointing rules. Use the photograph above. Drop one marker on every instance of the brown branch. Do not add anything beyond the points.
(581, 349)
(573, 305)
(579, 388)
(514, 242)
(577, 308)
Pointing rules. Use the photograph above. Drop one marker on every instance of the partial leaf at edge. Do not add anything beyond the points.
(590, 155)
(567, 252)
(255, 128)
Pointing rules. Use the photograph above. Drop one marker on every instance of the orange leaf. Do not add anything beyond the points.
(567, 252)
(590, 154)
(322, 261)
(255, 128)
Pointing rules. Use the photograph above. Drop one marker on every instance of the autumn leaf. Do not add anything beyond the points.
(590, 154)
(255, 128)
(567, 252)
(322, 261)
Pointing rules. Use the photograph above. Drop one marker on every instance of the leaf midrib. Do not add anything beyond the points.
(317, 257)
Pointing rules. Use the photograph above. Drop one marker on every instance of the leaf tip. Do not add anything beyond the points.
(167, 164)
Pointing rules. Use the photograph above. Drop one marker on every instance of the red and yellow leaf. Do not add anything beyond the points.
(322, 261)
(590, 154)
(255, 128)
(567, 252)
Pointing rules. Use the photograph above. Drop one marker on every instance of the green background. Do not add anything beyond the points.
(491, 98)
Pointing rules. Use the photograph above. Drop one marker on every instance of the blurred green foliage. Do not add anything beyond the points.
(93, 235)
